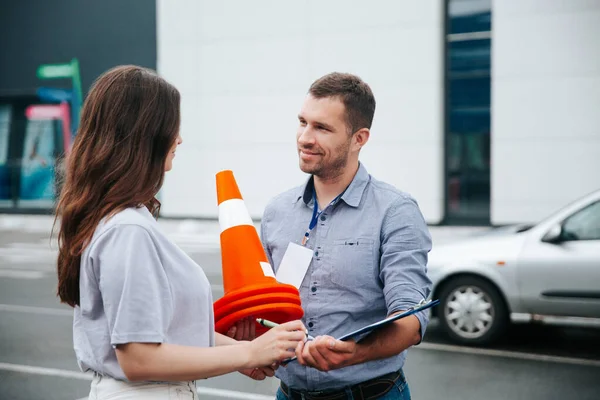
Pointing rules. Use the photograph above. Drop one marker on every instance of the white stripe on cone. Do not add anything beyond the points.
(233, 213)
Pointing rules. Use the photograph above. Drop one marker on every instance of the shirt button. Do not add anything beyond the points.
(317, 253)
(323, 218)
(313, 289)
(310, 324)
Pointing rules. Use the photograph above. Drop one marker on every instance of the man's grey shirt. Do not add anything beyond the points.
(370, 252)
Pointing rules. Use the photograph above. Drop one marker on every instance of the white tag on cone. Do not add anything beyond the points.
(267, 270)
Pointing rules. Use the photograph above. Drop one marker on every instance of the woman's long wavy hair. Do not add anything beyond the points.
(129, 123)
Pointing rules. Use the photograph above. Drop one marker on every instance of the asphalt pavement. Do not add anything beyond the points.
(37, 359)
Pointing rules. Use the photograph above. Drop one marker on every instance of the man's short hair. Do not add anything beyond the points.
(356, 95)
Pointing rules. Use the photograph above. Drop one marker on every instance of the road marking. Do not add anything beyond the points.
(62, 373)
(32, 248)
(41, 246)
(508, 354)
(232, 394)
(21, 274)
(27, 252)
(423, 346)
(228, 394)
(37, 310)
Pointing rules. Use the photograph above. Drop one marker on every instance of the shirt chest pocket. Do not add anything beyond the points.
(352, 263)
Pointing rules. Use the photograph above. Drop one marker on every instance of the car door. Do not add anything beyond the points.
(562, 276)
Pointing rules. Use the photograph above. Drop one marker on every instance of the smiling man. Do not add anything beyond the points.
(364, 245)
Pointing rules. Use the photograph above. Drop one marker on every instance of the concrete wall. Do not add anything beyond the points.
(244, 68)
(545, 106)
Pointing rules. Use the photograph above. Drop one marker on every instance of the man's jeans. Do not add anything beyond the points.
(400, 391)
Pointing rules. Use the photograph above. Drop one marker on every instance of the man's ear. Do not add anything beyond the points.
(361, 137)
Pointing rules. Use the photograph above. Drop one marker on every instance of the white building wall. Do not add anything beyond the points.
(243, 69)
(545, 106)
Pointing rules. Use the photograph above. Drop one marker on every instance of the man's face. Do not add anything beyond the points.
(323, 138)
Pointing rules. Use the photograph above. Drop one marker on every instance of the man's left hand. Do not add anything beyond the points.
(244, 329)
(326, 353)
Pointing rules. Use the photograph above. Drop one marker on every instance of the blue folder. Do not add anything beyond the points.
(419, 307)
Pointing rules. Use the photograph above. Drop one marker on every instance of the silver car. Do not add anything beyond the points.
(521, 273)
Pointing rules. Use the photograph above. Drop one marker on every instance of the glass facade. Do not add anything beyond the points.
(5, 187)
(29, 153)
(468, 98)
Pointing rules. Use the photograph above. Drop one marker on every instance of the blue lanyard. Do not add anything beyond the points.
(316, 214)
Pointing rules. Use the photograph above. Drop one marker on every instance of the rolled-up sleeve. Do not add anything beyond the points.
(405, 244)
(134, 286)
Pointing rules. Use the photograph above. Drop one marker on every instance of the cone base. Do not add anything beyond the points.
(224, 309)
(253, 290)
(275, 312)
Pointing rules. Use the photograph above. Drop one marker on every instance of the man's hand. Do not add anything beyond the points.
(259, 374)
(326, 353)
(244, 329)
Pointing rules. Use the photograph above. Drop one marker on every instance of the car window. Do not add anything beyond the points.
(584, 224)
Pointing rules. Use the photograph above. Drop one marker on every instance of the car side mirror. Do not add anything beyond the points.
(554, 235)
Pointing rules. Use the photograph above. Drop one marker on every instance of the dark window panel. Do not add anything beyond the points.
(468, 121)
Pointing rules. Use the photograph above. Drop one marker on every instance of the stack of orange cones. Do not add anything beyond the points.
(251, 289)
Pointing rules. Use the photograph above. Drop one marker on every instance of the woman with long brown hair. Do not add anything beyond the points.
(143, 308)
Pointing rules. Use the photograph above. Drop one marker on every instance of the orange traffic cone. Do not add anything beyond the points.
(251, 289)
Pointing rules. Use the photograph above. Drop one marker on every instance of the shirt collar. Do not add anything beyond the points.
(351, 196)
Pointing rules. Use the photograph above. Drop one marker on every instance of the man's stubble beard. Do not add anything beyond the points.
(335, 168)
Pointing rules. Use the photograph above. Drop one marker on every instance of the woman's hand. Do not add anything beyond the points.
(259, 374)
(276, 344)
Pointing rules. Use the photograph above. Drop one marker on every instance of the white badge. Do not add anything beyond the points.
(294, 265)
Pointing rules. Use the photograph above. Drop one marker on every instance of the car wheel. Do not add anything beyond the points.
(472, 311)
